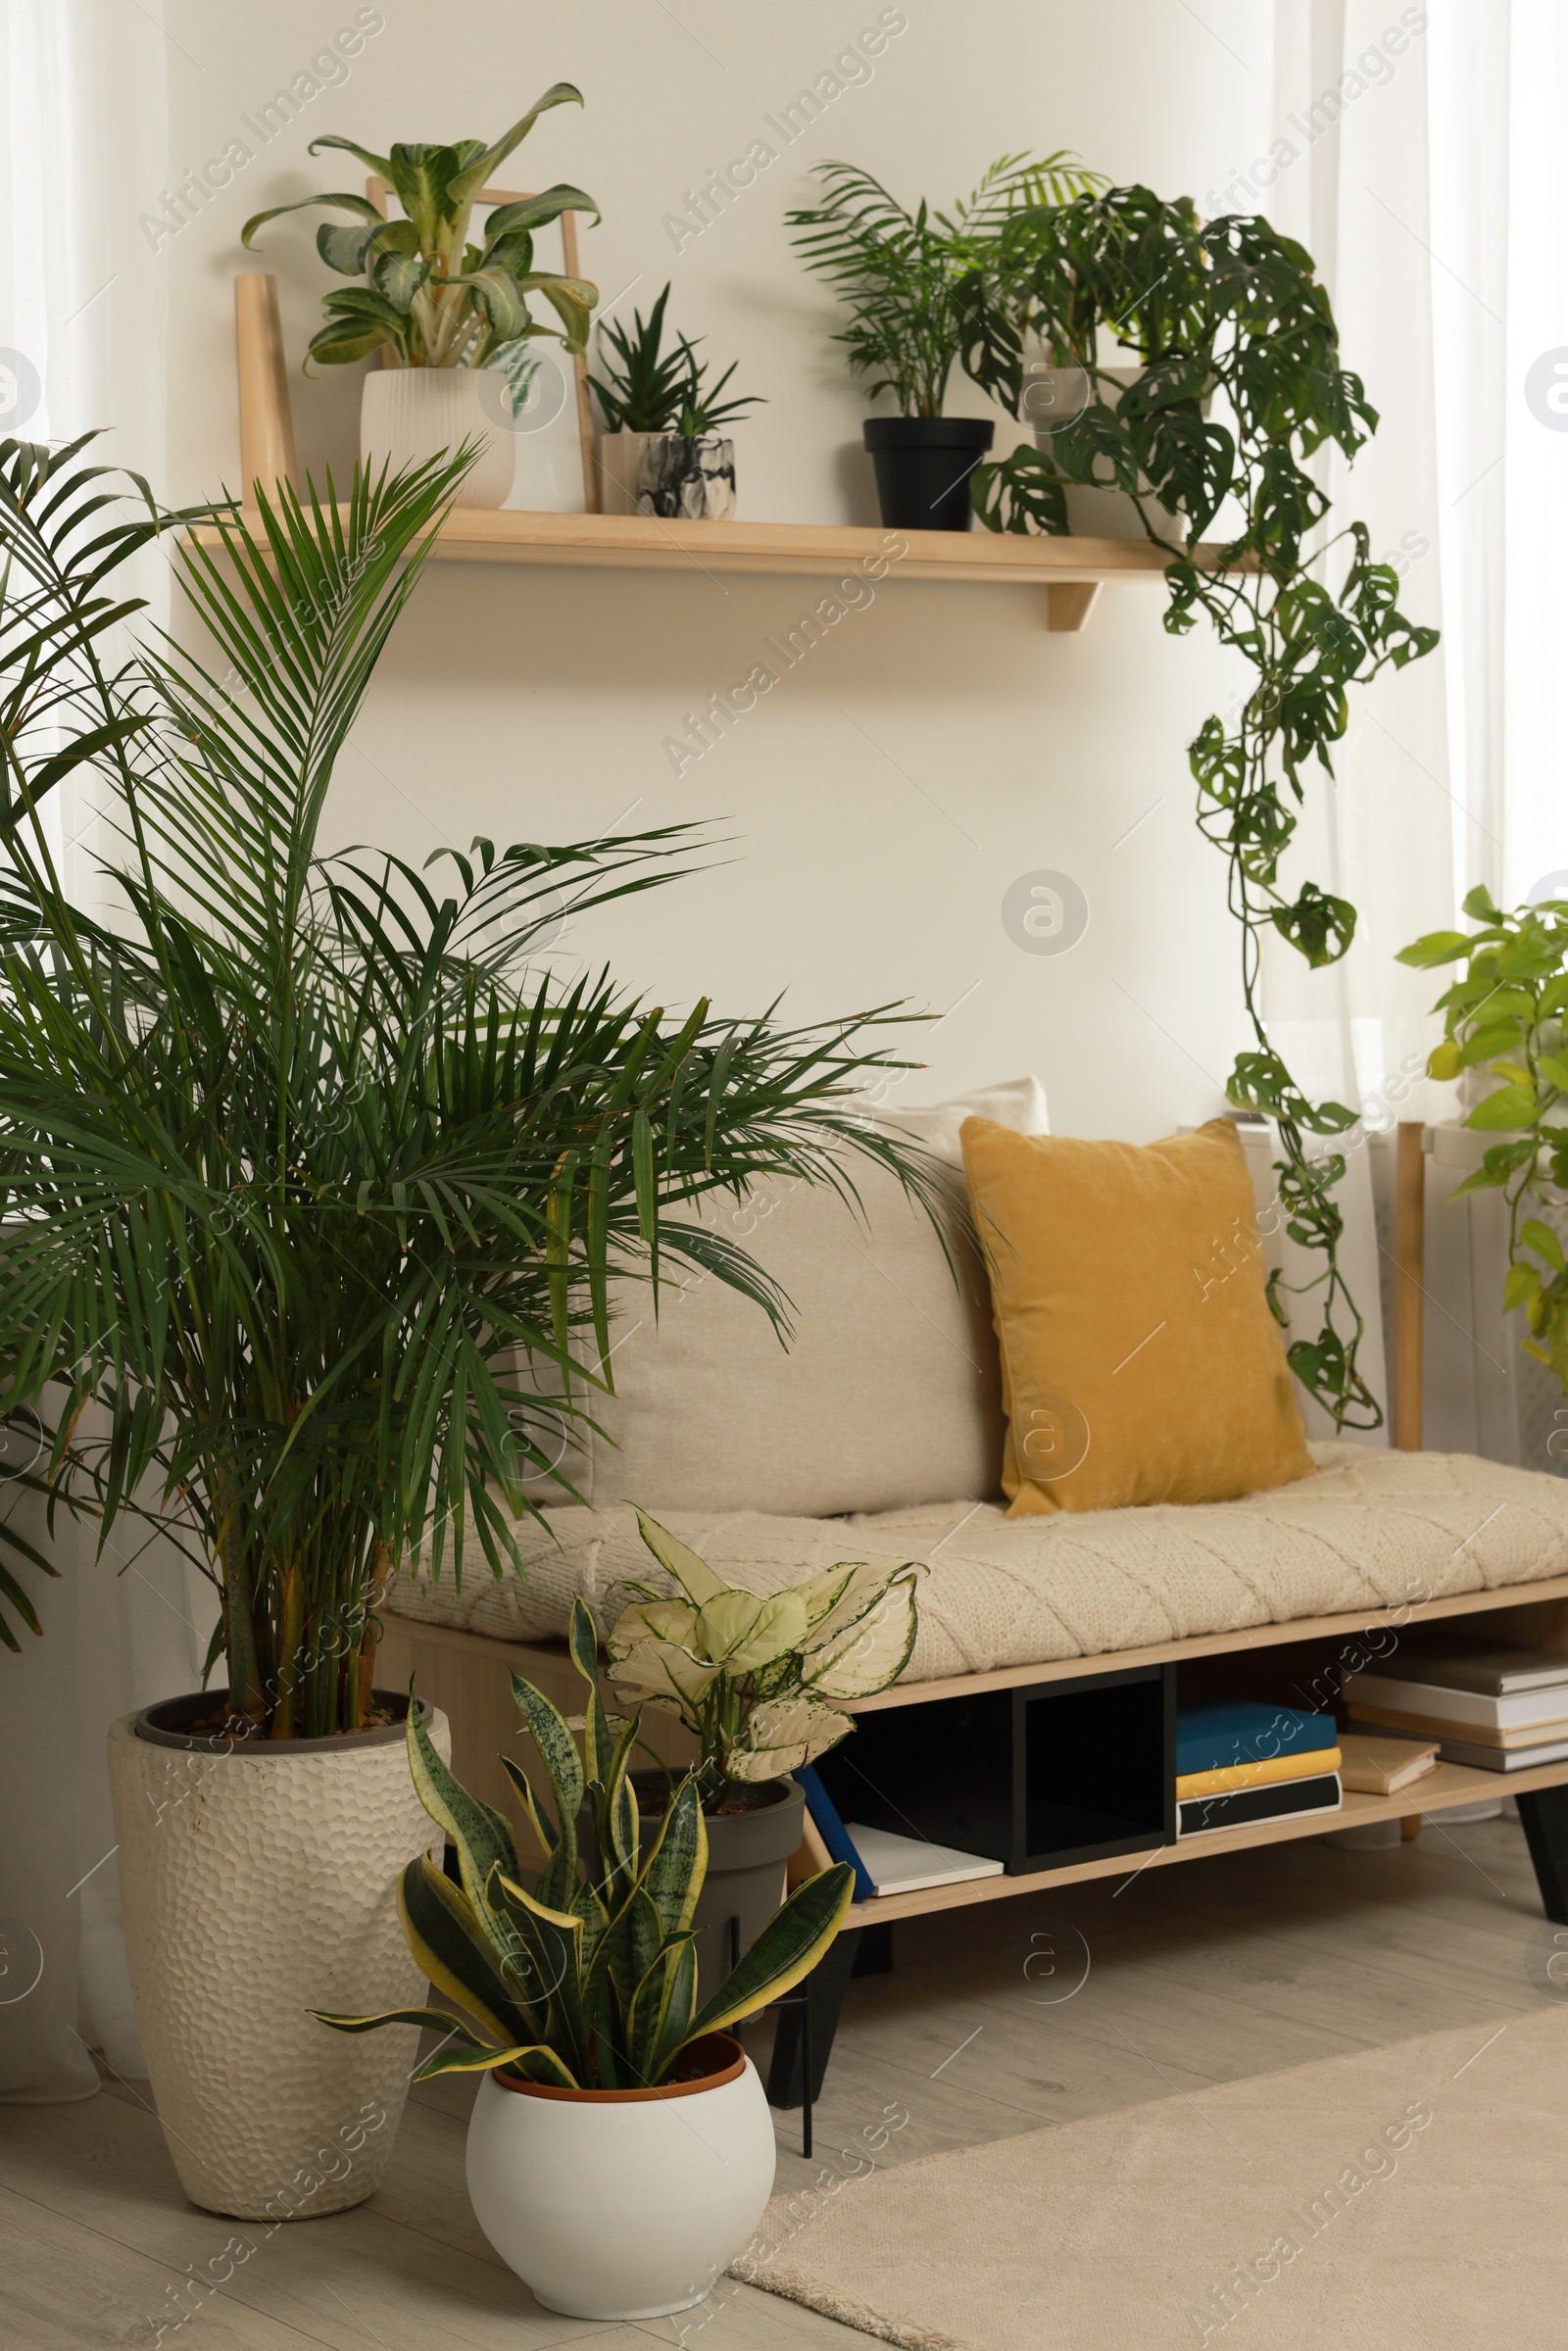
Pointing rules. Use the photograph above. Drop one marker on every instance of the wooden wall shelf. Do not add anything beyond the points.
(1071, 571)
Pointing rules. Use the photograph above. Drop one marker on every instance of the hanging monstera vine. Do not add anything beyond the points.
(1237, 384)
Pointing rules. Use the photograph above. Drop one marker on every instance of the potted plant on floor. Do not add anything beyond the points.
(298, 1153)
(621, 2150)
(752, 1679)
(900, 273)
(452, 321)
(660, 452)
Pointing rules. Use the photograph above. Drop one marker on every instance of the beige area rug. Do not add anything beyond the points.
(1413, 2198)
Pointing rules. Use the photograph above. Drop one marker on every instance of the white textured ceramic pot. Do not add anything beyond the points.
(258, 1885)
(408, 415)
(624, 2204)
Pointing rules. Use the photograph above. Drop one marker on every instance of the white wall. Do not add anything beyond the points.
(940, 744)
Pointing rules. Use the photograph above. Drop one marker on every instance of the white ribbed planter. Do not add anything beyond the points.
(255, 1886)
(408, 415)
(622, 2204)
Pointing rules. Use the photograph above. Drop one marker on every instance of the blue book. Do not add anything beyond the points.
(1209, 1738)
(831, 1830)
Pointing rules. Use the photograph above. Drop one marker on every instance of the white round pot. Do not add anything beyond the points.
(259, 1885)
(624, 2204)
(408, 415)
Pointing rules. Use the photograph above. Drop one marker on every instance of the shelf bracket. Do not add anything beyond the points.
(1068, 604)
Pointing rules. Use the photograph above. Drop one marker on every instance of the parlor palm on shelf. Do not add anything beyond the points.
(297, 1151)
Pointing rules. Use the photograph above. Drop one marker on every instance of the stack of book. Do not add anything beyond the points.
(1490, 1704)
(1241, 1761)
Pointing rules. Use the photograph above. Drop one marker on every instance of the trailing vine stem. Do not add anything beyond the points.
(1230, 309)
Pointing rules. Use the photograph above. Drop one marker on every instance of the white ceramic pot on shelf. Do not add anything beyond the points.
(259, 1885)
(408, 415)
(624, 2204)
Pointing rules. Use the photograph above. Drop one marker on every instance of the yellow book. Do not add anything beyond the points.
(1257, 1775)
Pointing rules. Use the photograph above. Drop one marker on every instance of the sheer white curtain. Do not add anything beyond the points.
(1420, 157)
(81, 300)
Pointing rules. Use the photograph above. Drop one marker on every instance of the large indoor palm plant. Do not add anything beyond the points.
(298, 1152)
(312, 1178)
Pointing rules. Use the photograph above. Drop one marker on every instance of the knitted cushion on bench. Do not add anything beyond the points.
(1374, 1529)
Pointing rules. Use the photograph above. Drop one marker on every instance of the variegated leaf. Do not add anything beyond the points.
(785, 1733)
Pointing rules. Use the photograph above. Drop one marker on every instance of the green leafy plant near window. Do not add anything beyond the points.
(1229, 311)
(753, 1677)
(434, 299)
(899, 273)
(590, 1981)
(654, 390)
(1505, 1014)
(298, 1151)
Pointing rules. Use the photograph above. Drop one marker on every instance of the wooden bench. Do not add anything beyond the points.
(468, 1676)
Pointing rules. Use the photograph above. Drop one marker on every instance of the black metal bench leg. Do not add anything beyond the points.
(1544, 1812)
(806, 2029)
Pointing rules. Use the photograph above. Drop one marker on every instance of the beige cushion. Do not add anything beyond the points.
(890, 1392)
(1373, 1529)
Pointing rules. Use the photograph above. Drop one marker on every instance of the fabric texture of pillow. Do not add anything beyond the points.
(890, 1392)
(1139, 1361)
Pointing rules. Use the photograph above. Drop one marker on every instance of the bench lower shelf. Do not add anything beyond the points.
(1448, 1785)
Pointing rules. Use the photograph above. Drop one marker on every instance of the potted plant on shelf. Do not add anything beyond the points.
(900, 273)
(452, 321)
(1229, 308)
(621, 2150)
(298, 1153)
(752, 1679)
(660, 452)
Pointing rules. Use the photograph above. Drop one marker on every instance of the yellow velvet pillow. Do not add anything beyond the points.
(1140, 1361)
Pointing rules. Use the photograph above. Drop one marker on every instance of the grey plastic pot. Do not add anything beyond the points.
(745, 1883)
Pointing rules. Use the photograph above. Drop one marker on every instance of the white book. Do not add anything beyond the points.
(1516, 1711)
(905, 1865)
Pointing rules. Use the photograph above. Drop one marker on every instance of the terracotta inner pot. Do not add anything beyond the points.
(717, 2057)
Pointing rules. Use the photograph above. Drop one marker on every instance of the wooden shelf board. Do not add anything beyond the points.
(1450, 1784)
(1071, 570)
(1396, 1614)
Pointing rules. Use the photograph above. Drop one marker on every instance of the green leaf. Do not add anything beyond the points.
(1511, 1106)
(789, 1946)
(694, 1576)
(449, 1937)
(359, 205)
(436, 2018)
(1522, 1282)
(482, 1837)
(467, 185)
(1544, 1241)
(1437, 947)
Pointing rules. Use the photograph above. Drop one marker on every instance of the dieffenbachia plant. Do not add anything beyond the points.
(433, 299)
(1227, 313)
(1505, 1014)
(751, 1677)
(589, 1980)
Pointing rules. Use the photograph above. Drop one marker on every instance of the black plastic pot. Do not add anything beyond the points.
(923, 466)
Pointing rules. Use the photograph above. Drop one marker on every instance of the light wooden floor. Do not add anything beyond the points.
(1211, 1972)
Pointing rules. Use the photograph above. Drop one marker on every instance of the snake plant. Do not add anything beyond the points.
(434, 299)
(589, 1980)
(749, 1676)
